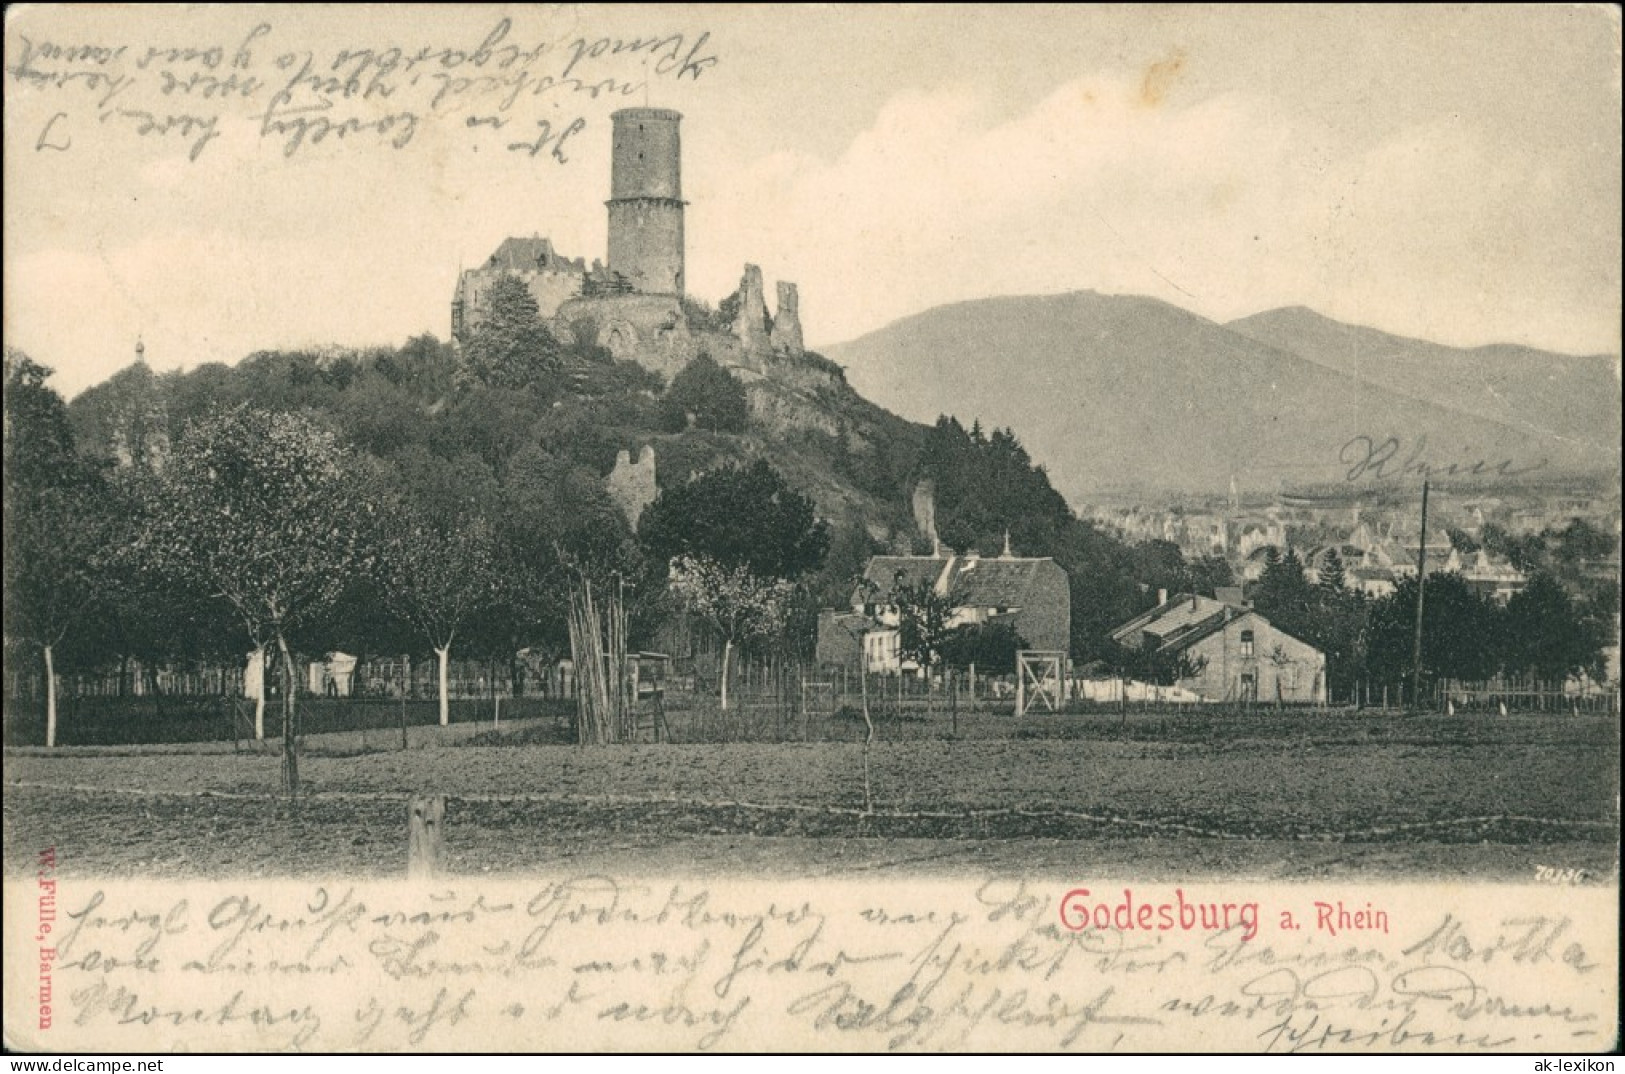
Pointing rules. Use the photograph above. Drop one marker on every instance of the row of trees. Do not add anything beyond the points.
(265, 530)
(1542, 631)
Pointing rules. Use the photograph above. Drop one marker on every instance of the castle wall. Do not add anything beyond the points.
(632, 484)
(551, 289)
(750, 325)
(647, 329)
(786, 336)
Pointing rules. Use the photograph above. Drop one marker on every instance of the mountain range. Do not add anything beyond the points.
(1117, 393)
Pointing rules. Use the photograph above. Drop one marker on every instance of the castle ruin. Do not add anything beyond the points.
(634, 305)
(631, 485)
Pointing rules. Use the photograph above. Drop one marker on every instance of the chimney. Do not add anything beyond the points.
(1162, 597)
(1194, 605)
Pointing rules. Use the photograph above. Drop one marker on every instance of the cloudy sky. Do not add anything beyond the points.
(1452, 174)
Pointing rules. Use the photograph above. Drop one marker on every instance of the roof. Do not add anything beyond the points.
(852, 623)
(526, 255)
(1208, 627)
(1178, 625)
(1177, 613)
(886, 573)
(992, 583)
(980, 582)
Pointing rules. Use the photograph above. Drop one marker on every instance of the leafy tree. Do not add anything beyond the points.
(511, 347)
(258, 507)
(1581, 540)
(922, 622)
(56, 522)
(1155, 666)
(380, 415)
(121, 419)
(144, 614)
(436, 572)
(555, 527)
(738, 604)
(1327, 616)
(1546, 633)
(987, 486)
(1161, 565)
(1208, 575)
(1106, 588)
(706, 394)
(1333, 577)
(991, 645)
(489, 423)
(54, 572)
(424, 366)
(850, 550)
(1285, 597)
(1460, 632)
(40, 451)
(747, 518)
(1461, 541)
(1338, 630)
(1524, 553)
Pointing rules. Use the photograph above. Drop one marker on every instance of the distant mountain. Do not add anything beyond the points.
(1577, 398)
(1117, 392)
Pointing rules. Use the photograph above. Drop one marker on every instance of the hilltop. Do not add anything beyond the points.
(1123, 392)
(1573, 397)
(852, 458)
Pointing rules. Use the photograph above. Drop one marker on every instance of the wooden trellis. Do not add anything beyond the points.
(1039, 681)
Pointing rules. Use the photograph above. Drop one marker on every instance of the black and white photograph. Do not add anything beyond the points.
(812, 528)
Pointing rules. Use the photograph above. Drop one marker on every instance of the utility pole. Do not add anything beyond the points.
(1421, 585)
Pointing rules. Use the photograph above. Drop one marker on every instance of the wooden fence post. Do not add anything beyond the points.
(425, 818)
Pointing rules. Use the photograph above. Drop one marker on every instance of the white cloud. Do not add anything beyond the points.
(1220, 205)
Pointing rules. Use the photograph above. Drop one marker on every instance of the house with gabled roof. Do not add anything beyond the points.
(1236, 654)
(1032, 594)
(551, 278)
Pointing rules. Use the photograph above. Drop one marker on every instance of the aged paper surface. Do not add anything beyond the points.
(742, 963)
(171, 174)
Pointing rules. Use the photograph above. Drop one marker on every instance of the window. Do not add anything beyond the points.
(1246, 644)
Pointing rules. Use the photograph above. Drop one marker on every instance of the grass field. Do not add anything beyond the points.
(1276, 795)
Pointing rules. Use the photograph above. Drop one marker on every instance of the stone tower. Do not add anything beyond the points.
(646, 200)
